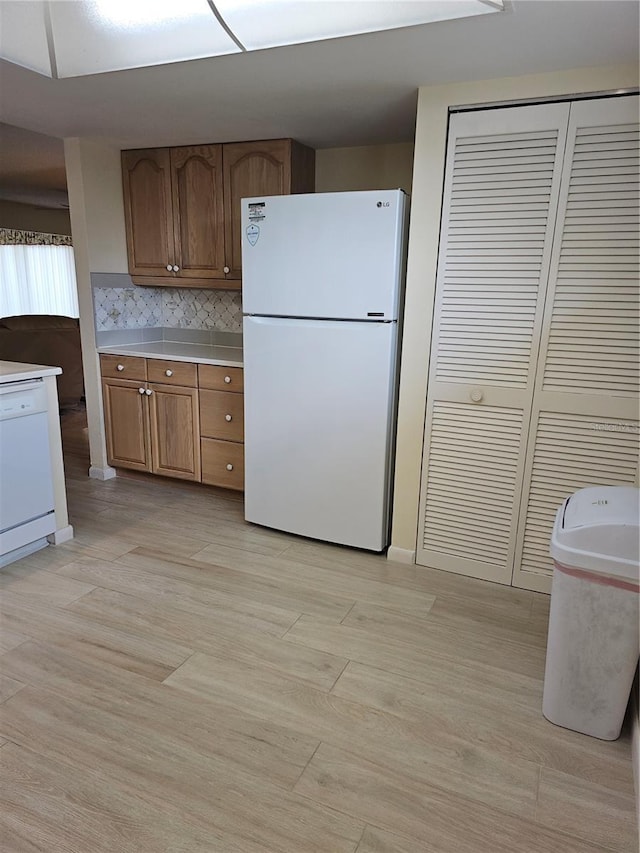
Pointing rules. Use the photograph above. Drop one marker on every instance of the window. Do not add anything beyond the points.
(37, 274)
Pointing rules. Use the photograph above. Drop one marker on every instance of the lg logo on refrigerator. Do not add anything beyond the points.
(383, 204)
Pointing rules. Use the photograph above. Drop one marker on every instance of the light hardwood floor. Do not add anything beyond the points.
(174, 681)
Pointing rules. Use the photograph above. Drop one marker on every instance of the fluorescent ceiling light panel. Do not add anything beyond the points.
(23, 35)
(90, 37)
(274, 23)
(70, 38)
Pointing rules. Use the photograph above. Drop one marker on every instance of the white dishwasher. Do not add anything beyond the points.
(27, 514)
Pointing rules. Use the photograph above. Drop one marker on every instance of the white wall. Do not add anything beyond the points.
(94, 184)
(426, 193)
(365, 167)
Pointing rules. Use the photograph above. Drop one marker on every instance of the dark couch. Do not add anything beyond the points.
(50, 340)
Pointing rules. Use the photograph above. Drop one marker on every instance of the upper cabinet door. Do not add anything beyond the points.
(198, 211)
(182, 206)
(148, 211)
(251, 169)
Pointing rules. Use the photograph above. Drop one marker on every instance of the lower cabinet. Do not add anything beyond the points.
(151, 426)
(176, 419)
(175, 436)
(222, 425)
(126, 420)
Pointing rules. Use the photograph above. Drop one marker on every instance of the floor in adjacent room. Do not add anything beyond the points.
(176, 680)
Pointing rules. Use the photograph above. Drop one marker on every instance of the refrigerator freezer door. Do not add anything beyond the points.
(323, 255)
(319, 409)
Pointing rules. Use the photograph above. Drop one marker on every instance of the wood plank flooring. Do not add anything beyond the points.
(175, 680)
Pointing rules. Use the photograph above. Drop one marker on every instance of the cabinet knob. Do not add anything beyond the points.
(168, 373)
(228, 418)
(140, 390)
(169, 267)
(148, 392)
(226, 270)
(476, 395)
(229, 467)
(176, 268)
(120, 367)
(227, 379)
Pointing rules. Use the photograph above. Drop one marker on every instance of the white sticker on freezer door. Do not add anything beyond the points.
(257, 210)
(253, 232)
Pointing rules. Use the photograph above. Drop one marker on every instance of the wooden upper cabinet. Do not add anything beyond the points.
(196, 176)
(272, 167)
(182, 206)
(148, 211)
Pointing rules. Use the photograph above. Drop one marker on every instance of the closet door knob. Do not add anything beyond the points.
(476, 395)
(176, 268)
(228, 418)
(229, 467)
(140, 390)
(148, 392)
(169, 268)
(226, 270)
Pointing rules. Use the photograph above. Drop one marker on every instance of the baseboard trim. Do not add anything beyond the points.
(401, 555)
(106, 473)
(65, 534)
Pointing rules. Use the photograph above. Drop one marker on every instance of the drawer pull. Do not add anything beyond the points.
(228, 418)
(229, 467)
(227, 379)
(168, 373)
(120, 367)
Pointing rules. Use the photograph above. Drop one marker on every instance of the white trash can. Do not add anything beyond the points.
(593, 645)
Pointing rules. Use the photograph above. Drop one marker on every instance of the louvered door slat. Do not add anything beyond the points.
(457, 521)
(500, 199)
(606, 273)
(591, 336)
(561, 466)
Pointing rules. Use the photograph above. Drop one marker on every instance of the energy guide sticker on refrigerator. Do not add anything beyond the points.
(322, 294)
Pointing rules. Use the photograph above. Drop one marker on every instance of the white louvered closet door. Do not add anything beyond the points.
(500, 202)
(584, 426)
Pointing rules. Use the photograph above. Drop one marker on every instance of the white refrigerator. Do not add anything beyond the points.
(322, 288)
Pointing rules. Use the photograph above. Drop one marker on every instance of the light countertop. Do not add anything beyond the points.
(179, 351)
(16, 371)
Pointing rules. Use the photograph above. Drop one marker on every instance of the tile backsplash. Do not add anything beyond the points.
(119, 304)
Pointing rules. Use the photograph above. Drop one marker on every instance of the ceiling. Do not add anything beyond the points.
(342, 92)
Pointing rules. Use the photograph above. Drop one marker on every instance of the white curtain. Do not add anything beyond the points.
(37, 280)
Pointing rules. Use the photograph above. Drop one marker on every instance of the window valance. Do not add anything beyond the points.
(16, 237)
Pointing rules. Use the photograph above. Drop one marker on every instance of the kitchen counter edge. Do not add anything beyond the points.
(178, 351)
(18, 371)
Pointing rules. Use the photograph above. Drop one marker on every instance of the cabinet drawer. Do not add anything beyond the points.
(222, 463)
(219, 378)
(123, 367)
(222, 415)
(172, 372)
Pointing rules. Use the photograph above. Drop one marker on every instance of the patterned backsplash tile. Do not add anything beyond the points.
(203, 309)
(126, 306)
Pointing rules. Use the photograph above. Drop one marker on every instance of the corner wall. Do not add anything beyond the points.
(97, 223)
(365, 167)
(426, 195)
